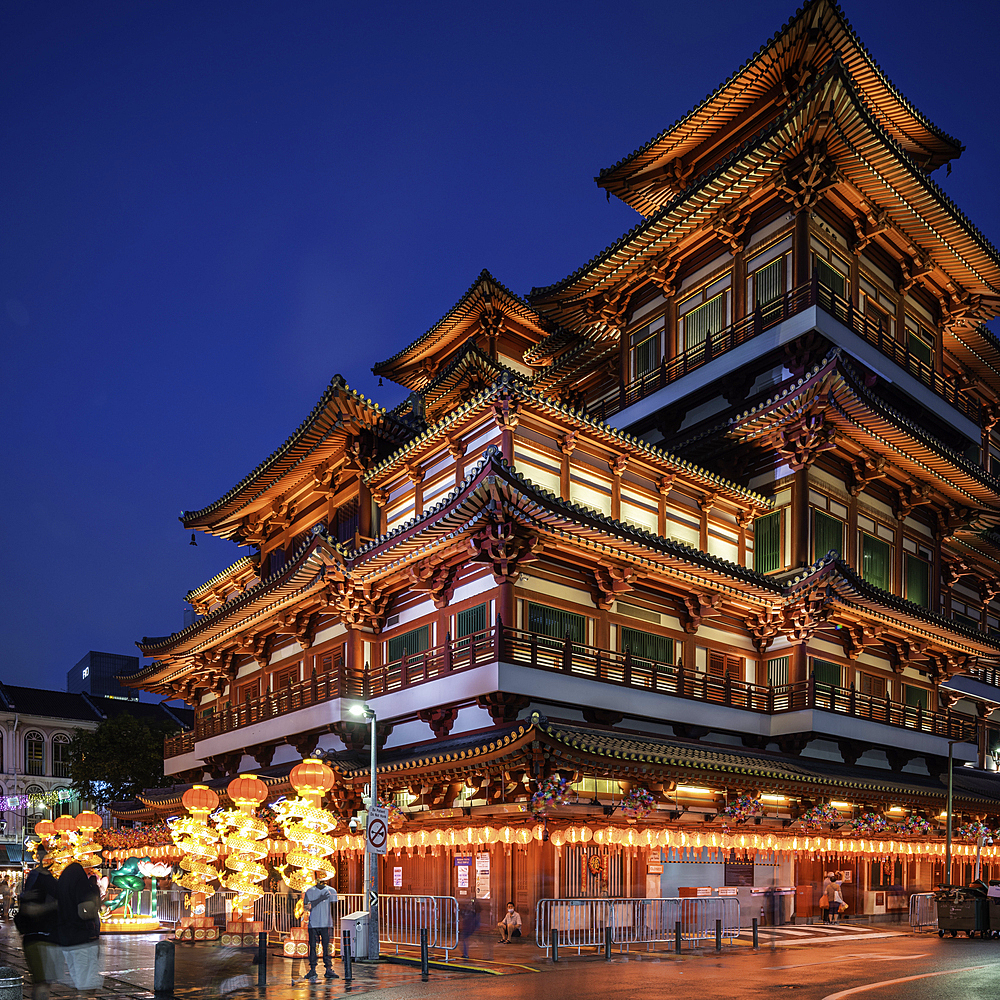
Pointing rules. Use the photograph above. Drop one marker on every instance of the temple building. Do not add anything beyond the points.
(703, 539)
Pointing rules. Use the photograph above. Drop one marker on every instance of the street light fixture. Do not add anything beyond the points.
(371, 859)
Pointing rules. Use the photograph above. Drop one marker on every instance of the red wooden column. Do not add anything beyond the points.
(355, 666)
(800, 258)
(364, 511)
(800, 518)
(798, 663)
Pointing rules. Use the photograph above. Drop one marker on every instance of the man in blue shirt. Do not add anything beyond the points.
(319, 901)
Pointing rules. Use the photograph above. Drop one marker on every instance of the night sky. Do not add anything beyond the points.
(208, 209)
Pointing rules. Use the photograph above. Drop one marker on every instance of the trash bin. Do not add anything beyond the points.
(11, 984)
(356, 925)
(963, 908)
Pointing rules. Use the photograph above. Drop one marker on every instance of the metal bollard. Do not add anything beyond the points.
(262, 958)
(756, 943)
(677, 937)
(607, 944)
(424, 966)
(163, 968)
(718, 935)
(345, 950)
(11, 984)
(554, 938)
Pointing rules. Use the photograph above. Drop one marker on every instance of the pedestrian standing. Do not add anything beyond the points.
(78, 929)
(824, 900)
(37, 915)
(834, 897)
(5, 891)
(319, 900)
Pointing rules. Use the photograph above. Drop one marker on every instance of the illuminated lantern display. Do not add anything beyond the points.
(243, 836)
(86, 850)
(307, 825)
(61, 844)
(198, 841)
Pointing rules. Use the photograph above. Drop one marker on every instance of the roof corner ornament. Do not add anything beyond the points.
(609, 307)
(696, 607)
(677, 175)
(805, 615)
(729, 225)
(507, 409)
(504, 550)
(801, 441)
(805, 178)
(360, 605)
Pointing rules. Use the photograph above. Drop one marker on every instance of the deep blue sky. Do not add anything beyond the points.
(208, 209)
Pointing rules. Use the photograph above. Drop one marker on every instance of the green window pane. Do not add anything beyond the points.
(828, 534)
(767, 284)
(555, 623)
(408, 643)
(777, 671)
(647, 356)
(767, 543)
(472, 620)
(920, 350)
(915, 697)
(918, 580)
(709, 317)
(831, 279)
(876, 561)
(826, 674)
(646, 646)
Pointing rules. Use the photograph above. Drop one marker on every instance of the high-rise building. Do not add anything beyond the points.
(97, 673)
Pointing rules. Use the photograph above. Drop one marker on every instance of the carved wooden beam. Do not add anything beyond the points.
(610, 582)
(438, 580)
(504, 550)
(764, 628)
(805, 615)
(866, 468)
(910, 496)
(696, 607)
(857, 638)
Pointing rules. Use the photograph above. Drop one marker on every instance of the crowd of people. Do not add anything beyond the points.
(59, 923)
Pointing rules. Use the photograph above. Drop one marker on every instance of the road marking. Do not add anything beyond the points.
(843, 958)
(905, 979)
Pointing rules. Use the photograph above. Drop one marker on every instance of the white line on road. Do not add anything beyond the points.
(905, 979)
(843, 958)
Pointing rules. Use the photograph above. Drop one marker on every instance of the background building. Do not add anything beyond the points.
(97, 673)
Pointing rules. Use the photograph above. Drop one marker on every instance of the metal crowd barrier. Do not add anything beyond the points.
(401, 918)
(923, 911)
(582, 923)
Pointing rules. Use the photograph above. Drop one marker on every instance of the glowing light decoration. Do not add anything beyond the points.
(307, 825)
(198, 841)
(61, 844)
(86, 850)
(243, 833)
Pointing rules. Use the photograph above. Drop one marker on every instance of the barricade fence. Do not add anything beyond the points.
(583, 923)
(401, 917)
(923, 911)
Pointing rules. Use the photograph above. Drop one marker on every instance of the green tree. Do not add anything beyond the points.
(120, 758)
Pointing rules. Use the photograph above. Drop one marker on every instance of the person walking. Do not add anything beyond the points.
(36, 918)
(319, 900)
(824, 899)
(834, 897)
(468, 923)
(5, 892)
(79, 927)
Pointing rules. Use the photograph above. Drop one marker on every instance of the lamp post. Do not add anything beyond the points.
(951, 782)
(371, 889)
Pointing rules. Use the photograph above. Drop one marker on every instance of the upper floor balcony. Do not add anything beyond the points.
(769, 327)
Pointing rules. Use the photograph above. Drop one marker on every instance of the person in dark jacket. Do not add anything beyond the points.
(79, 926)
(36, 920)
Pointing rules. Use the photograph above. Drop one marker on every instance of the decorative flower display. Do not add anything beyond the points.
(638, 803)
(743, 808)
(973, 831)
(396, 815)
(913, 826)
(551, 793)
(151, 835)
(815, 817)
(869, 825)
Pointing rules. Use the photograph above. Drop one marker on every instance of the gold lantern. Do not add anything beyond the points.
(86, 850)
(307, 825)
(243, 835)
(198, 841)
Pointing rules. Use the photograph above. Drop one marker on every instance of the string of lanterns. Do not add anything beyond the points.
(243, 833)
(307, 826)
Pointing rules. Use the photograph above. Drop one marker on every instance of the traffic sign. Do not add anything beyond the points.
(372, 899)
(378, 830)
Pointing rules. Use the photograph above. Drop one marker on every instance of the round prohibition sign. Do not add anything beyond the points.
(377, 833)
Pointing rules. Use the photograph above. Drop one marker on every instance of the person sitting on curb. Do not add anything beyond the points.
(510, 926)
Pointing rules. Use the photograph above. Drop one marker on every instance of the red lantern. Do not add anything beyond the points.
(89, 821)
(44, 828)
(312, 777)
(247, 790)
(199, 799)
(65, 824)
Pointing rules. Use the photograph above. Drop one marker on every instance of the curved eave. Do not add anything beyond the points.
(339, 408)
(485, 292)
(246, 562)
(761, 74)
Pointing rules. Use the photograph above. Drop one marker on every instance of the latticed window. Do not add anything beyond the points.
(472, 620)
(827, 675)
(777, 671)
(918, 580)
(768, 286)
(915, 697)
(407, 644)
(646, 646)
(60, 755)
(876, 561)
(720, 664)
(34, 754)
(347, 521)
(557, 624)
(828, 534)
(767, 543)
(708, 318)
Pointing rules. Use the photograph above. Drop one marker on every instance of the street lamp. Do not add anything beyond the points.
(371, 859)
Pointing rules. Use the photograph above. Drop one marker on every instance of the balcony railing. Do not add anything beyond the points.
(622, 669)
(574, 659)
(763, 318)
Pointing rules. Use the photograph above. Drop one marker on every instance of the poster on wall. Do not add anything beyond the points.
(463, 876)
(397, 878)
(482, 876)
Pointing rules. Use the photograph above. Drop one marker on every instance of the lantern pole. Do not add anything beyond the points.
(371, 858)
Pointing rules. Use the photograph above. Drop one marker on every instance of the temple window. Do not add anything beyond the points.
(769, 276)
(873, 686)
(647, 348)
(286, 678)
(249, 692)
(347, 521)
(965, 614)
(828, 520)
(777, 671)
(556, 624)
(407, 644)
(834, 278)
(875, 559)
(917, 573)
(878, 308)
(60, 755)
(720, 664)
(472, 621)
(646, 647)
(34, 754)
(705, 313)
(767, 542)
(919, 343)
(915, 697)
(827, 675)
(993, 453)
